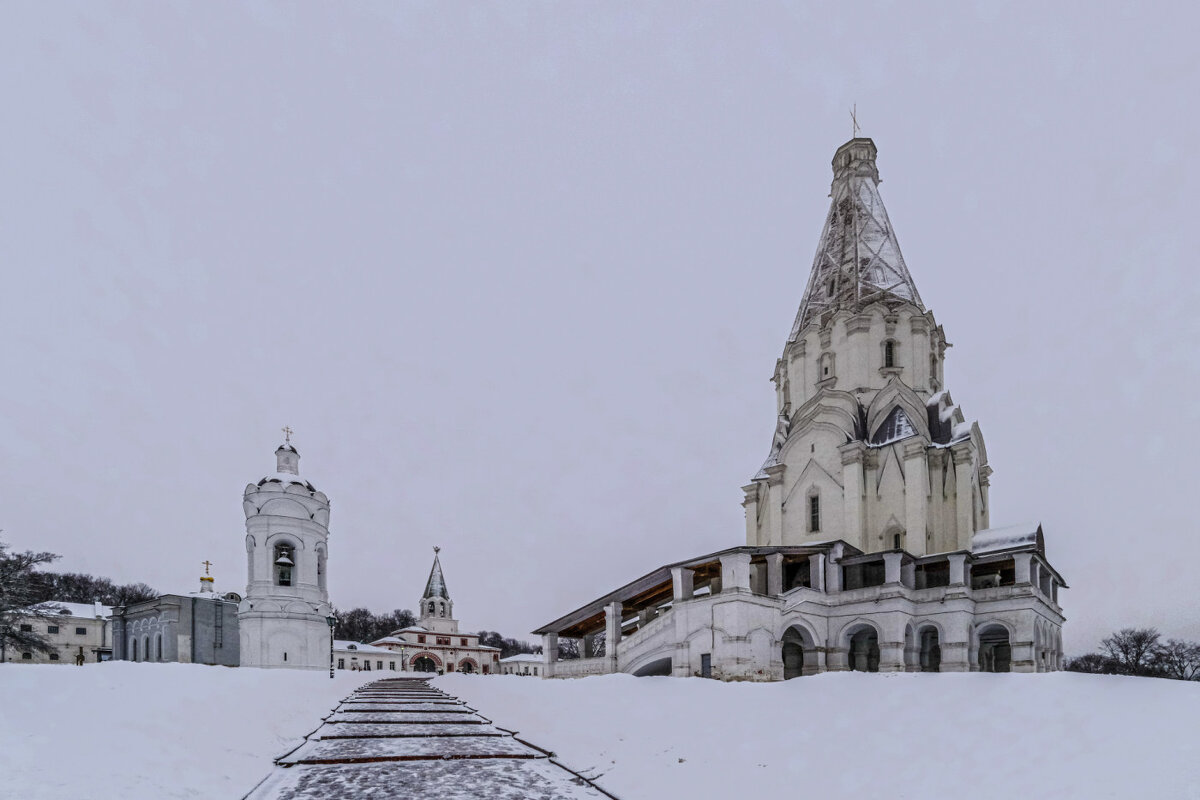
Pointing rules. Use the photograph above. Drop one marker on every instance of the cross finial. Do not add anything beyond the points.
(206, 564)
(854, 120)
(436, 549)
(287, 434)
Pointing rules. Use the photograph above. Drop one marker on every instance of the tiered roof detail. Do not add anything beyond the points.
(858, 259)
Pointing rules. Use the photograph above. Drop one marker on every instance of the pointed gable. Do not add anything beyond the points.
(436, 585)
(858, 259)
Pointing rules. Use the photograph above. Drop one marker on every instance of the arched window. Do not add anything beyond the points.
(321, 570)
(814, 512)
(442, 610)
(933, 376)
(145, 648)
(285, 562)
(432, 608)
(158, 647)
(889, 354)
(133, 650)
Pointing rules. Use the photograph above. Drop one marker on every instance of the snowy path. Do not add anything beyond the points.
(401, 738)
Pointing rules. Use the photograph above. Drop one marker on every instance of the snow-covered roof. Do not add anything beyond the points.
(990, 540)
(81, 610)
(530, 657)
(389, 640)
(358, 647)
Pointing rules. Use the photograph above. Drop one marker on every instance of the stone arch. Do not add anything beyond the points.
(929, 637)
(425, 655)
(798, 649)
(146, 648)
(158, 654)
(859, 640)
(468, 665)
(993, 646)
(639, 665)
(660, 667)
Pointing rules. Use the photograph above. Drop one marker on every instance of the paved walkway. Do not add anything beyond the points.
(402, 738)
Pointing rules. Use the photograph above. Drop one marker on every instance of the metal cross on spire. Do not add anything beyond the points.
(287, 434)
(206, 564)
(854, 120)
(436, 549)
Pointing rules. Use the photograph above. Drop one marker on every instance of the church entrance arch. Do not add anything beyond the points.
(468, 666)
(426, 662)
(863, 651)
(799, 653)
(930, 653)
(995, 649)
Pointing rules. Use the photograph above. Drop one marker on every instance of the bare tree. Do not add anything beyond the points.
(1178, 659)
(1132, 649)
(17, 598)
(1093, 663)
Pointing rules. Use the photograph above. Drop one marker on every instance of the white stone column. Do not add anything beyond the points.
(964, 509)
(958, 569)
(852, 491)
(735, 572)
(750, 503)
(682, 582)
(549, 654)
(918, 356)
(1022, 563)
(891, 567)
(774, 574)
(775, 501)
(833, 572)
(816, 572)
(612, 633)
(916, 496)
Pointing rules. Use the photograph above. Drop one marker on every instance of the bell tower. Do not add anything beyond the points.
(283, 617)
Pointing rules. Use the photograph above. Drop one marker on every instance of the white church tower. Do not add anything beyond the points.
(869, 448)
(283, 618)
(437, 609)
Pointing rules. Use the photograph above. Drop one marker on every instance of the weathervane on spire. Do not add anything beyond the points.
(854, 120)
(287, 434)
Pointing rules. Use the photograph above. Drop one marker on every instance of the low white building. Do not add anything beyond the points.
(869, 543)
(435, 644)
(358, 656)
(522, 664)
(78, 633)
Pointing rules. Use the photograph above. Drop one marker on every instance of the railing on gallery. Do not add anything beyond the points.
(579, 667)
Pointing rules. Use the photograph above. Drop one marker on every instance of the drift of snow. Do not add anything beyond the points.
(1061, 735)
(150, 731)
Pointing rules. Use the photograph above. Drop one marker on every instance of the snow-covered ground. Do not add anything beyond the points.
(182, 731)
(153, 731)
(980, 736)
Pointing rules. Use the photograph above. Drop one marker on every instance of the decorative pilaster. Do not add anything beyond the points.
(916, 496)
(775, 499)
(852, 491)
(750, 503)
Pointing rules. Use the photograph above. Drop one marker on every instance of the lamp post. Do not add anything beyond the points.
(332, 620)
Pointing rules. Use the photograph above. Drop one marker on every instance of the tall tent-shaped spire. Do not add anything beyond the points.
(435, 587)
(858, 259)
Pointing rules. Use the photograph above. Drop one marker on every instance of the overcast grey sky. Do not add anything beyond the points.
(518, 274)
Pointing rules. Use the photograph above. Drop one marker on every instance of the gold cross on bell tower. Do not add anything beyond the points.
(206, 564)
(287, 434)
(854, 120)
